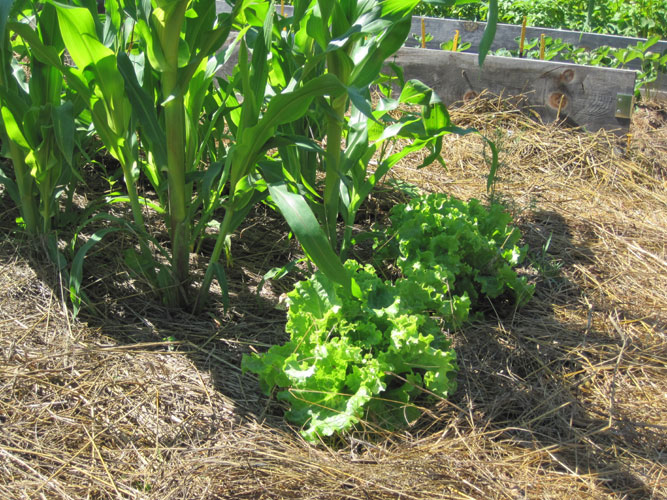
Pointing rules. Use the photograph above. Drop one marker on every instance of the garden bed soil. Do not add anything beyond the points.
(565, 398)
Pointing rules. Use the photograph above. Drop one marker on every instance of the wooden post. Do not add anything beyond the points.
(282, 12)
(523, 36)
(542, 43)
(423, 34)
(455, 43)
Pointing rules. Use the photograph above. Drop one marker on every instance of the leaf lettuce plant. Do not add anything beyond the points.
(458, 252)
(352, 358)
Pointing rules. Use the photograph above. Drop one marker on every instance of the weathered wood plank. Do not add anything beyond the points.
(583, 95)
(444, 30)
(656, 90)
(588, 93)
(506, 35)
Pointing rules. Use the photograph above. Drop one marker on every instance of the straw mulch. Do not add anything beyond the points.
(563, 399)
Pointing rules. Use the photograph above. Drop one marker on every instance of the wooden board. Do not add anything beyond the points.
(588, 93)
(583, 95)
(443, 30)
(506, 37)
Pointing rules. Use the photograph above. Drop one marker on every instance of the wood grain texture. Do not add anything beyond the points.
(443, 30)
(506, 35)
(582, 95)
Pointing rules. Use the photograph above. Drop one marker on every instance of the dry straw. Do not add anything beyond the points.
(566, 398)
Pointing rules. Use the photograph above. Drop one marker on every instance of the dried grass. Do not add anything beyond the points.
(565, 398)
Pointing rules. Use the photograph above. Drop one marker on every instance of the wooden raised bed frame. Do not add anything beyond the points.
(586, 96)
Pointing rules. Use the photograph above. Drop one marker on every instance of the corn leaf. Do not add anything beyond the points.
(144, 109)
(13, 128)
(282, 108)
(77, 28)
(76, 272)
(63, 127)
(489, 32)
(305, 226)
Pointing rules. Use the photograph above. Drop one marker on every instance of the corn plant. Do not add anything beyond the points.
(352, 41)
(37, 124)
(144, 73)
(98, 86)
(157, 88)
(177, 40)
(255, 127)
(322, 63)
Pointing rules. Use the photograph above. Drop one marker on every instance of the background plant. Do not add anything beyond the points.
(638, 18)
(460, 47)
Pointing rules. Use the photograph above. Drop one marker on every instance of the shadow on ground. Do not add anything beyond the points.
(523, 374)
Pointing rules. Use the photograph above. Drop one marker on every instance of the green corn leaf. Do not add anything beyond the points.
(48, 55)
(398, 7)
(243, 209)
(196, 32)
(54, 253)
(144, 110)
(153, 48)
(307, 229)
(77, 28)
(220, 275)
(283, 108)
(317, 27)
(33, 120)
(5, 8)
(367, 69)
(13, 129)
(15, 100)
(360, 99)
(494, 164)
(205, 184)
(5, 44)
(144, 201)
(63, 127)
(489, 32)
(299, 141)
(109, 137)
(214, 40)
(11, 188)
(78, 32)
